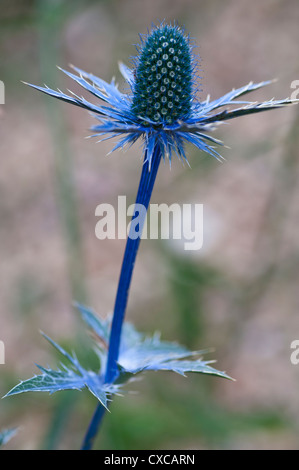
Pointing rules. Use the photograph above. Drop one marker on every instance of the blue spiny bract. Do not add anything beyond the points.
(161, 107)
(163, 84)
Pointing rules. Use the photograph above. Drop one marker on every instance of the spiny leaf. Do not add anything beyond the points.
(99, 326)
(154, 354)
(75, 378)
(139, 352)
(6, 435)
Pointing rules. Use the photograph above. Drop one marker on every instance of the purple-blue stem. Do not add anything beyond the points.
(147, 181)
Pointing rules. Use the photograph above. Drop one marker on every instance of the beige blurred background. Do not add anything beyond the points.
(239, 294)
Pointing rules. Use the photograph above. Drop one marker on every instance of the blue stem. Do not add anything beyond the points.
(147, 181)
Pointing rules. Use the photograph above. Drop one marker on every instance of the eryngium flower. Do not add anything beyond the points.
(162, 106)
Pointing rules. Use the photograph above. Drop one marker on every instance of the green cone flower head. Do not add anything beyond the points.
(163, 76)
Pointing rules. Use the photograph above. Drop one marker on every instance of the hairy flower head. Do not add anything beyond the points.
(161, 107)
(163, 85)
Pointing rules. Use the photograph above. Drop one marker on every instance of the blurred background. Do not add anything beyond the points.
(238, 294)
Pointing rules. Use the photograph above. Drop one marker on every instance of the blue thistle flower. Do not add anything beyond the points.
(162, 106)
